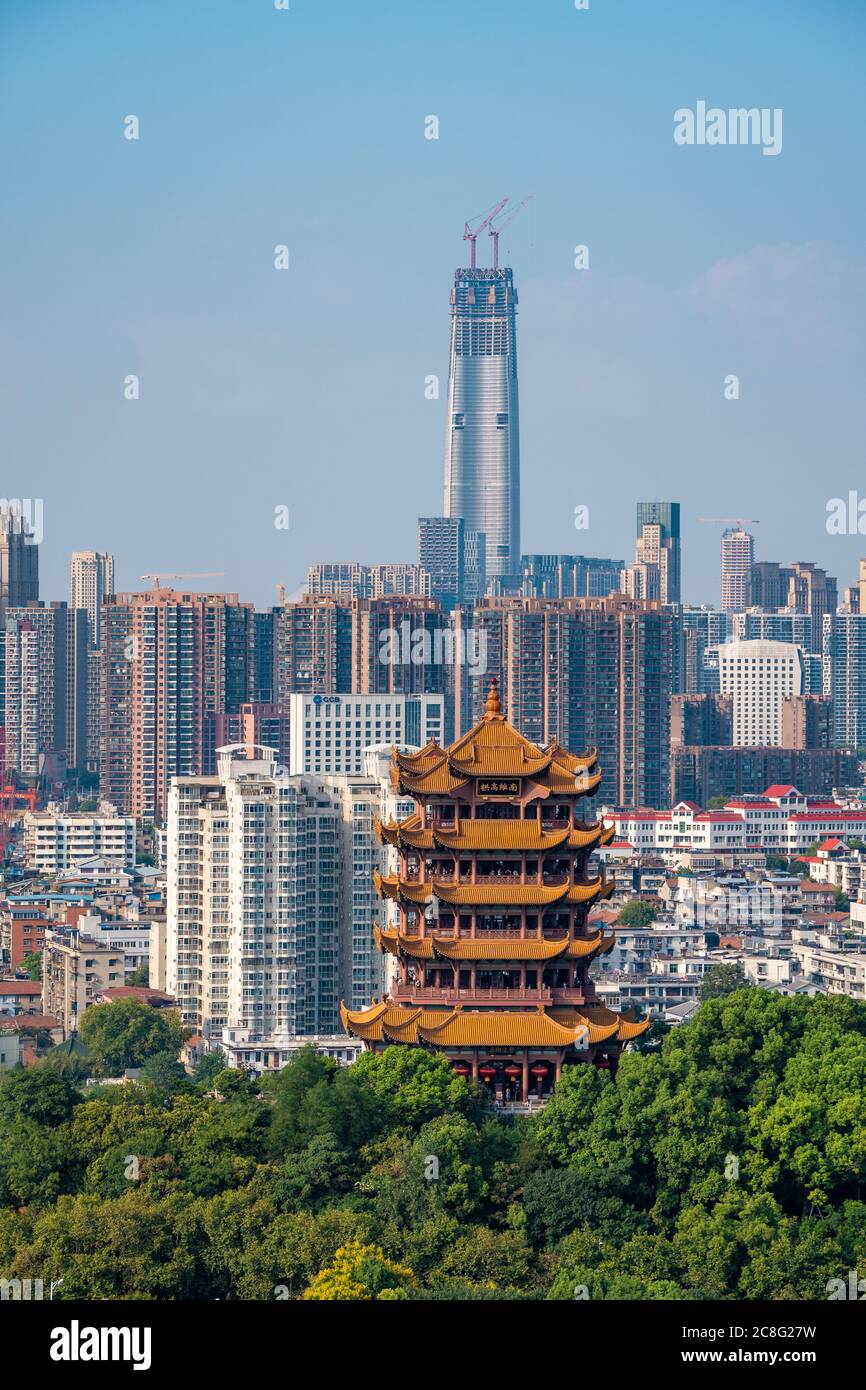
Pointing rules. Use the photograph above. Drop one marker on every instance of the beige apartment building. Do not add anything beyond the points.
(75, 969)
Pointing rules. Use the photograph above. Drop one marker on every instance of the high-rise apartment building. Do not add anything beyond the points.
(482, 451)
(45, 689)
(738, 558)
(312, 647)
(768, 585)
(807, 721)
(701, 720)
(568, 576)
(455, 558)
(812, 591)
(269, 897)
(170, 660)
(760, 676)
(703, 629)
(589, 673)
(368, 581)
(844, 651)
(91, 581)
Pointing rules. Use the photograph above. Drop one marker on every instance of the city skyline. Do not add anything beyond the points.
(622, 365)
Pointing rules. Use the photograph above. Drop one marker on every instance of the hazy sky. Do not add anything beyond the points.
(305, 388)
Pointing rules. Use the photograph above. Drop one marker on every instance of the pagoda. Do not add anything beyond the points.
(490, 937)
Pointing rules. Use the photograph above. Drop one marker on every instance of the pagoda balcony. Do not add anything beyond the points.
(548, 880)
(425, 994)
(446, 995)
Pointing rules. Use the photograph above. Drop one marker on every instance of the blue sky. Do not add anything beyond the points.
(305, 388)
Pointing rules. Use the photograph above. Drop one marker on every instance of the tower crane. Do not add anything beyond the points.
(494, 231)
(470, 233)
(207, 574)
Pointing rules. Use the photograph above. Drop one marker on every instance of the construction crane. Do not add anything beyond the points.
(728, 520)
(471, 234)
(494, 231)
(157, 578)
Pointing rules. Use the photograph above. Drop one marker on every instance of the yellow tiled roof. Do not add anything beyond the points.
(500, 834)
(492, 1029)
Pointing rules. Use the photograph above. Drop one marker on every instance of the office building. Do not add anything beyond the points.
(482, 451)
(657, 561)
(759, 676)
(329, 733)
(19, 557)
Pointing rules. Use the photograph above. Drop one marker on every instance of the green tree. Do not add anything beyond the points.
(37, 1094)
(164, 1071)
(32, 964)
(722, 979)
(636, 913)
(126, 1032)
(361, 1273)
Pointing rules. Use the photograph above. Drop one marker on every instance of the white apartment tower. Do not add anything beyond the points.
(738, 557)
(760, 676)
(91, 580)
(269, 897)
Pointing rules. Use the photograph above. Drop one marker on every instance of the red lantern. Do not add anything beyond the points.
(461, 1069)
(486, 1071)
(538, 1070)
(513, 1071)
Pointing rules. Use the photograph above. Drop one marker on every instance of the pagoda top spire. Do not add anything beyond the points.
(493, 707)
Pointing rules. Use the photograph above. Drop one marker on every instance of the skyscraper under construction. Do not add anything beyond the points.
(482, 450)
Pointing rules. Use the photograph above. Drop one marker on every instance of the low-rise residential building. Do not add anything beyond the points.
(833, 971)
(55, 840)
(247, 1053)
(19, 997)
(22, 934)
(782, 821)
(652, 993)
(636, 948)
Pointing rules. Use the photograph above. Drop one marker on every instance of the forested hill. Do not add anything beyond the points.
(729, 1162)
